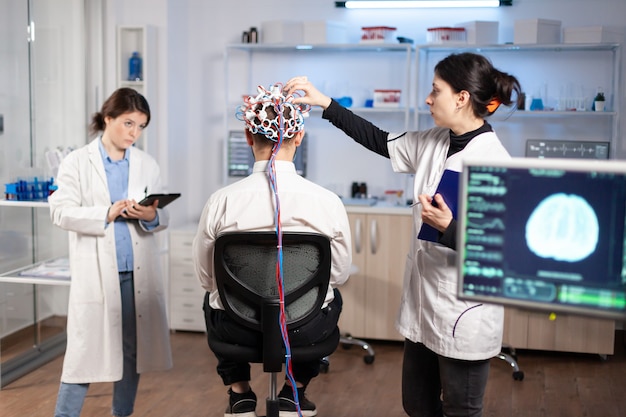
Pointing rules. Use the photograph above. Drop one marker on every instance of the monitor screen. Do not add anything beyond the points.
(241, 159)
(546, 234)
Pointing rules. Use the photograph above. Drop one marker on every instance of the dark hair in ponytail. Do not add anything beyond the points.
(475, 74)
(123, 100)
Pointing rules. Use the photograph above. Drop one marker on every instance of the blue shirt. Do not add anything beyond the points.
(117, 180)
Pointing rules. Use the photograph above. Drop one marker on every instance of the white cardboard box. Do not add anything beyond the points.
(281, 31)
(322, 31)
(592, 34)
(387, 98)
(480, 32)
(537, 31)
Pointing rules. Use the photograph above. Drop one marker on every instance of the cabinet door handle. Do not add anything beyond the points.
(373, 237)
(357, 233)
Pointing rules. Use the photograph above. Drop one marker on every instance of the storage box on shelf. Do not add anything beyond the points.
(323, 31)
(281, 31)
(480, 32)
(592, 34)
(387, 98)
(543, 31)
(446, 35)
(378, 34)
(186, 294)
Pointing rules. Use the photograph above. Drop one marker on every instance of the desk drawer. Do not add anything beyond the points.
(186, 313)
(181, 245)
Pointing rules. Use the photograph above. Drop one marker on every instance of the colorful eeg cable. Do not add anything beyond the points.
(254, 113)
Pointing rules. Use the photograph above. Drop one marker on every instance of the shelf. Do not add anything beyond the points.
(141, 39)
(520, 47)
(400, 110)
(355, 109)
(132, 84)
(571, 71)
(388, 66)
(355, 47)
(40, 277)
(535, 113)
(16, 279)
(34, 204)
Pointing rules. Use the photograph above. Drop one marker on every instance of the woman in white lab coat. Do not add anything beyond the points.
(117, 324)
(448, 342)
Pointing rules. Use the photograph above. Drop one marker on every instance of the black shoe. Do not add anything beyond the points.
(287, 406)
(241, 405)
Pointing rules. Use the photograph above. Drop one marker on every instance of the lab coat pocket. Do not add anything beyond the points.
(466, 328)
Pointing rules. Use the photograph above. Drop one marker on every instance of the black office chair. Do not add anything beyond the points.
(245, 272)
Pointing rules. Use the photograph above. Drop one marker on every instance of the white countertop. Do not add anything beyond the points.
(379, 208)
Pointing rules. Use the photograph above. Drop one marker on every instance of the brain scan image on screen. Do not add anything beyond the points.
(563, 227)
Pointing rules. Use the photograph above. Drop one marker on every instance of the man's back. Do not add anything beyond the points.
(249, 204)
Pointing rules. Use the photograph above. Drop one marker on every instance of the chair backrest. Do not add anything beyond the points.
(245, 272)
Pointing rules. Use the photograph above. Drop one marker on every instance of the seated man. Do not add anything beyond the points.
(274, 129)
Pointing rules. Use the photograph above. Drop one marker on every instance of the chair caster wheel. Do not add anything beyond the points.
(324, 365)
(518, 375)
(368, 359)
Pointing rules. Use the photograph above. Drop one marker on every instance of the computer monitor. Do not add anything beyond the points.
(241, 159)
(545, 234)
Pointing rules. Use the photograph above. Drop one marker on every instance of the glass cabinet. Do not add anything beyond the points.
(42, 108)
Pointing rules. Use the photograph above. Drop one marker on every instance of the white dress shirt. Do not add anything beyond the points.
(249, 205)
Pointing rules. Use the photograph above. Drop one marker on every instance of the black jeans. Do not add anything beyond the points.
(219, 324)
(426, 376)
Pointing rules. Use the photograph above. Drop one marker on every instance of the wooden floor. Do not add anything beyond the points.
(555, 385)
(23, 340)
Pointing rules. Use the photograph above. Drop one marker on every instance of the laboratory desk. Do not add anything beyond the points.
(381, 239)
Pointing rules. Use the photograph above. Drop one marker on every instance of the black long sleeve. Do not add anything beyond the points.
(357, 128)
(448, 237)
(457, 144)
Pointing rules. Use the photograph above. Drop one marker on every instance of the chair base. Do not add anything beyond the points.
(347, 341)
(510, 359)
(271, 407)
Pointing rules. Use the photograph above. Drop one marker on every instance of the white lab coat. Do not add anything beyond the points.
(430, 312)
(94, 326)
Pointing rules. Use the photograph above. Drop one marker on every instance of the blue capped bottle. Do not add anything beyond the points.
(134, 67)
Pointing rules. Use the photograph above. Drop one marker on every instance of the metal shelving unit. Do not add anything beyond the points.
(536, 63)
(389, 64)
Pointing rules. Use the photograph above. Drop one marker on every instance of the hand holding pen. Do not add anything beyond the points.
(435, 211)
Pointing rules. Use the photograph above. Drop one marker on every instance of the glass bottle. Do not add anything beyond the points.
(134, 67)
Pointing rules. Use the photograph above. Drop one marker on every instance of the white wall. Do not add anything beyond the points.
(139, 13)
(192, 37)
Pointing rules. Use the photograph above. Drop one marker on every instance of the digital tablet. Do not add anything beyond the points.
(164, 199)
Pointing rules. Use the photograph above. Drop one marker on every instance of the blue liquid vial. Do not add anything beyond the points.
(134, 67)
(536, 104)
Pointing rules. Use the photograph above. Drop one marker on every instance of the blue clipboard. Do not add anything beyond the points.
(449, 189)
